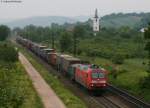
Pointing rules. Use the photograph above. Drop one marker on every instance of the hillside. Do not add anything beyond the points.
(120, 20)
(40, 21)
(132, 20)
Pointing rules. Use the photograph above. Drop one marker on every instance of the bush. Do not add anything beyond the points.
(4, 32)
(10, 94)
(122, 71)
(118, 59)
(145, 82)
(8, 53)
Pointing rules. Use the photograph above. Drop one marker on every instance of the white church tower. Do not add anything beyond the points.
(96, 22)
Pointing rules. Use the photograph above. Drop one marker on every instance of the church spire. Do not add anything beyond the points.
(96, 26)
(96, 13)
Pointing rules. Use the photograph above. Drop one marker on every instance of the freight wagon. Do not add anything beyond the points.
(88, 75)
(40, 49)
(46, 51)
(67, 61)
(51, 58)
(59, 58)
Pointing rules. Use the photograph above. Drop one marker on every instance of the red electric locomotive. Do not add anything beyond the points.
(91, 76)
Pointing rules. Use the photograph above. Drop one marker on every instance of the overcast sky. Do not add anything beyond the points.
(28, 8)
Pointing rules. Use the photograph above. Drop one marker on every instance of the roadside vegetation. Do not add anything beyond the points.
(16, 90)
(4, 32)
(69, 99)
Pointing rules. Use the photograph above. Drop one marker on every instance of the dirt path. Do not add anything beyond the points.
(49, 98)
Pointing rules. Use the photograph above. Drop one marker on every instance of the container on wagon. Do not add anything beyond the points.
(35, 48)
(44, 52)
(71, 71)
(40, 48)
(29, 44)
(53, 59)
(67, 61)
(24, 42)
(32, 46)
(59, 58)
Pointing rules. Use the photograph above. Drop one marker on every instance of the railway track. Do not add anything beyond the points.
(92, 101)
(126, 96)
(105, 102)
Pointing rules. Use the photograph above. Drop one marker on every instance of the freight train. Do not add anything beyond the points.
(88, 75)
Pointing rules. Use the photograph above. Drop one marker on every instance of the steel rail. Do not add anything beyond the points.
(128, 97)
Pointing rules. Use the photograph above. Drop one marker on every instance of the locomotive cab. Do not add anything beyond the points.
(98, 77)
(91, 76)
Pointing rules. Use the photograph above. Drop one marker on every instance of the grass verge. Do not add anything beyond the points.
(16, 90)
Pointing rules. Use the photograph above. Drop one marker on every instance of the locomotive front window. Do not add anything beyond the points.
(97, 75)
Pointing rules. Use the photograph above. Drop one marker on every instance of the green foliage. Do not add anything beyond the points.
(147, 46)
(145, 83)
(146, 33)
(16, 89)
(8, 53)
(77, 33)
(4, 32)
(118, 59)
(65, 41)
(133, 20)
(10, 96)
(144, 21)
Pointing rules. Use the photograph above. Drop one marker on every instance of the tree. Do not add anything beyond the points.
(78, 32)
(8, 53)
(118, 59)
(54, 33)
(65, 41)
(4, 32)
(145, 82)
(147, 46)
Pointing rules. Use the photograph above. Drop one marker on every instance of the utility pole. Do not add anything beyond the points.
(75, 45)
(53, 40)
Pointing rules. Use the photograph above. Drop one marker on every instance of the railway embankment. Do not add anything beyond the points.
(48, 96)
(69, 99)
